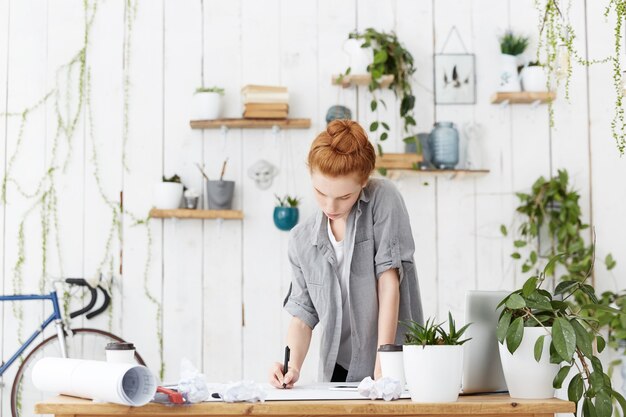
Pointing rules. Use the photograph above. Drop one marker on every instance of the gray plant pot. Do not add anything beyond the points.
(220, 194)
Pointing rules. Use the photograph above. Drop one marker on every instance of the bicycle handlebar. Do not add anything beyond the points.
(81, 282)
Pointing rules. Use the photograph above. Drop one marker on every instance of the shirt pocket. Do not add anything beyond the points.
(315, 278)
(363, 258)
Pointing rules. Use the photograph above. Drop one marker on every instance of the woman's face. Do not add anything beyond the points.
(336, 195)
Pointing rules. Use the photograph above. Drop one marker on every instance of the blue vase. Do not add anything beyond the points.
(443, 143)
(285, 218)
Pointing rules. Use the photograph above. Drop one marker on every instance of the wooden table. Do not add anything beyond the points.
(471, 405)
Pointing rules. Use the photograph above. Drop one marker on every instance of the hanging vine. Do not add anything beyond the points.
(556, 43)
(76, 76)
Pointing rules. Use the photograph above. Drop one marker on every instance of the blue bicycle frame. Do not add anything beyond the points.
(55, 316)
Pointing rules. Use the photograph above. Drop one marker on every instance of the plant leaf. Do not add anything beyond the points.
(514, 334)
(564, 338)
(515, 301)
(620, 399)
(557, 383)
(519, 243)
(575, 388)
(564, 286)
(503, 326)
(539, 347)
(583, 340)
(503, 230)
(604, 407)
(373, 126)
(373, 105)
(601, 343)
(529, 286)
(384, 136)
(609, 262)
(588, 409)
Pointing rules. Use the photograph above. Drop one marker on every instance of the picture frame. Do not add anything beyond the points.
(455, 78)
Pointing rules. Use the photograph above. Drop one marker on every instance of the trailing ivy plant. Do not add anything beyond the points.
(556, 44)
(390, 57)
(552, 206)
(72, 82)
(573, 334)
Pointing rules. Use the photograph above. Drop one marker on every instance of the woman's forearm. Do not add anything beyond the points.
(298, 340)
(388, 306)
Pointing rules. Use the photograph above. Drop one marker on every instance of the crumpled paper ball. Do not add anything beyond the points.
(386, 388)
(243, 391)
(192, 383)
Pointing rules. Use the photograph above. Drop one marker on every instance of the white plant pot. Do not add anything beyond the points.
(509, 78)
(433, 373)
(206, 106)
(167, 195)
(534, 79)
(359, 58)
(525, 377)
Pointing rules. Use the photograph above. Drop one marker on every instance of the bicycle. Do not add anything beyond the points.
(80, 343)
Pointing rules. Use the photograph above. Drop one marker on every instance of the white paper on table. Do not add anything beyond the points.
(121, 383)
(321, 391)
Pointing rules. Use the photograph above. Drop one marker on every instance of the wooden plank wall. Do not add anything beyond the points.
(221, 284)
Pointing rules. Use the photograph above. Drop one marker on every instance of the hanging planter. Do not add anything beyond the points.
(286, 214)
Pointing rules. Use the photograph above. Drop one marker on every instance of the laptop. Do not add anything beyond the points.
(482, 370)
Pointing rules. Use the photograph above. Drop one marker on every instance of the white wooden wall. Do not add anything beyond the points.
(221, 285)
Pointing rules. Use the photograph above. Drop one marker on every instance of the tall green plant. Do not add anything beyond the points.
(573, 334)
(390, 57)
(513, 44)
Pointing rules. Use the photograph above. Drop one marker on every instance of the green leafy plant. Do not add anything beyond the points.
(390, 57)
(287, 201)
(173, 178)
(513, 44)
(573, 334)
(432, 334)
(217, 90)
(553, 205)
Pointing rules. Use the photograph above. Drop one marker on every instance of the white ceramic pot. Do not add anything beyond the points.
(525, 377)
(509, 78)
(359, 58)
(433, 373)
(167, 195)
(206, 106)
(534, 78)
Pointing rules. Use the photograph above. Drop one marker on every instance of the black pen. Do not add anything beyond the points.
(286, 363)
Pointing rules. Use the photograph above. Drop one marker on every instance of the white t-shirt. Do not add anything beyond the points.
(345, 345)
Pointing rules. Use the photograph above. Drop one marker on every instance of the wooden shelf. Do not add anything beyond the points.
(251, 123)
(360, 79)
(398, 160)
(523, 97)
(196, 214)
(394, 173)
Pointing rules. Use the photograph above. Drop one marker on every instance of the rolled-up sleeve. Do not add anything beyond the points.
(298, 302)
(393, 239)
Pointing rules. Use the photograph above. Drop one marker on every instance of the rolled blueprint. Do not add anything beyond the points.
(121, 383)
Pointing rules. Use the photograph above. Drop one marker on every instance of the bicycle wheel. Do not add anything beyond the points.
(82, 344)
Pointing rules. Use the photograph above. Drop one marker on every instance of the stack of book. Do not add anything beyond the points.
(265, 102)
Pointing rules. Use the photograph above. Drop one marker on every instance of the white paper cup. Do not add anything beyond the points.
(120, 352)
(391, 362)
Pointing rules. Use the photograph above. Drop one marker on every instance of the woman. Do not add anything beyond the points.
(352, 263)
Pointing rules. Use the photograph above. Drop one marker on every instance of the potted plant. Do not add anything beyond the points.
(168, 193)
(511, 45)
(206, 103)
(533, 77)
(388, 57)
(554, 331)
(433, 360)
(286, 212)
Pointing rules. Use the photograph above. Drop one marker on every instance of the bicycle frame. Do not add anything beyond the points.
(54, 317)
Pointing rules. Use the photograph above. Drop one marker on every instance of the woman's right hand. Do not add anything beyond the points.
(279, 381)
